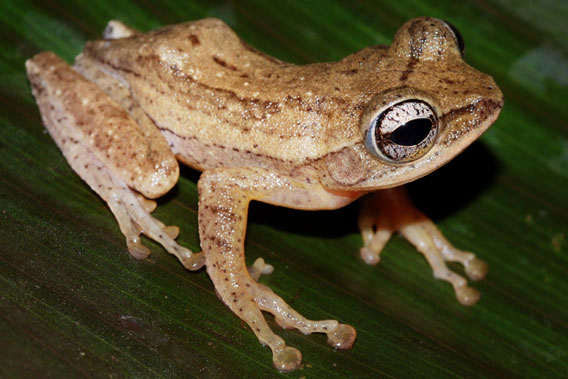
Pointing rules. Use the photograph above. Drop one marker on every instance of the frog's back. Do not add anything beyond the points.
(218, 100)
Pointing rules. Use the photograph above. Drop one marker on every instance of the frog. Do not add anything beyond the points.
(309, 137)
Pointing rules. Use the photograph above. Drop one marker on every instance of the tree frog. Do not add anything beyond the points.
(310, 137)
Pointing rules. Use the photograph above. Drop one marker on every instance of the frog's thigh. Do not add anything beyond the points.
(393, 211)
(90, 129)
(224, 196)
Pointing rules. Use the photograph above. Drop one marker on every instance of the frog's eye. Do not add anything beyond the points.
(403, 132)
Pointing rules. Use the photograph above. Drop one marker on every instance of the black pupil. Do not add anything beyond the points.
(412, 133)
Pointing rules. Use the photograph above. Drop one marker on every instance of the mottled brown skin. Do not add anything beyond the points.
(260, 129)
(286, 116)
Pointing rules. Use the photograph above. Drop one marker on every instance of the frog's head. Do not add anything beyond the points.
(434, 109)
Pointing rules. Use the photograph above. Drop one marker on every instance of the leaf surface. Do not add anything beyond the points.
(73, 303)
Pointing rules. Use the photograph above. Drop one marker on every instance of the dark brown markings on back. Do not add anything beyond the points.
(350, 72)
(194, 40)
(447, 81)
(222, 63)
(267, 105)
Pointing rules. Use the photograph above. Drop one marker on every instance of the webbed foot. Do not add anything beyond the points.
(387, 211)
(132, 212)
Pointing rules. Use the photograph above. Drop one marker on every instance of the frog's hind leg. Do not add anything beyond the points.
(106, 148)
(224, 196)
(390, 210)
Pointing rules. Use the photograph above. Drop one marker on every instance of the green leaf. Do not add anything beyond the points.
(73, 303)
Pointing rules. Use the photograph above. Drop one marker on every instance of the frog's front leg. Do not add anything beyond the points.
(224, 196)
(388, 211)
(106, 147)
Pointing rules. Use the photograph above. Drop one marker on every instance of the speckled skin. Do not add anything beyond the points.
(259, 129)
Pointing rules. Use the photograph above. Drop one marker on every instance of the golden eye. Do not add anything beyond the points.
(403, 132)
